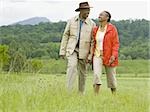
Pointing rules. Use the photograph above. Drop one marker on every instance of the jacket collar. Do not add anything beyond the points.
(109, 27)
(86, 21)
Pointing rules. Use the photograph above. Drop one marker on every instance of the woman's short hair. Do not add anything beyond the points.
(109, 15)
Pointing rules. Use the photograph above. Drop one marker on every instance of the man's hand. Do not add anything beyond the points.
(62, 56)
(111, 60)
(88, 61)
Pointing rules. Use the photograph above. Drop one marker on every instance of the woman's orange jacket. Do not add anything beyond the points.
(110, 44)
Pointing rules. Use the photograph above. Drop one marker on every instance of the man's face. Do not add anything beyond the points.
(85, 13)
(103, 16)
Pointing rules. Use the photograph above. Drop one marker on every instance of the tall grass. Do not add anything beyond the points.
(47, 93)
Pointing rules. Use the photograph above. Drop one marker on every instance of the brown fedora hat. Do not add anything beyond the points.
(83, 5)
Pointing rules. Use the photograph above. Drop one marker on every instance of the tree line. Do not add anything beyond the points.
(21, 43)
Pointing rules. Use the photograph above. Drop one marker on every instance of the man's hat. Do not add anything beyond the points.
(83, 5)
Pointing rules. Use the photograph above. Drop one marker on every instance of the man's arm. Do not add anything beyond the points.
(91, 45)
(64, 40)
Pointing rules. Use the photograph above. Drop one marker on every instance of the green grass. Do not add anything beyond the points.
(47, 93)
(138, 68)
(133, 66)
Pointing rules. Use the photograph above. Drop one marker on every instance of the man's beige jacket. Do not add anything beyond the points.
(70, 38)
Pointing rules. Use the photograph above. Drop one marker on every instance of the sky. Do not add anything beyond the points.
(12, 11)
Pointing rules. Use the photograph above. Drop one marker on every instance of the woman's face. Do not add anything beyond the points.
(103, 16)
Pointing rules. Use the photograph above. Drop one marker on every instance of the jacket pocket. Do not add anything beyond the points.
(73, 31)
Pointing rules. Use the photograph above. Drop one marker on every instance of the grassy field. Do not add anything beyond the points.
(47, 93)
(135, 68)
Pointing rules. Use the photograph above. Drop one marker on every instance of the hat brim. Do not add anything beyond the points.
(78, 9)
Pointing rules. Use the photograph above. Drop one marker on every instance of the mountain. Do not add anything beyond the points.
(33, 21)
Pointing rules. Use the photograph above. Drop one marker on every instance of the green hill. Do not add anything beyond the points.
(42, 40)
